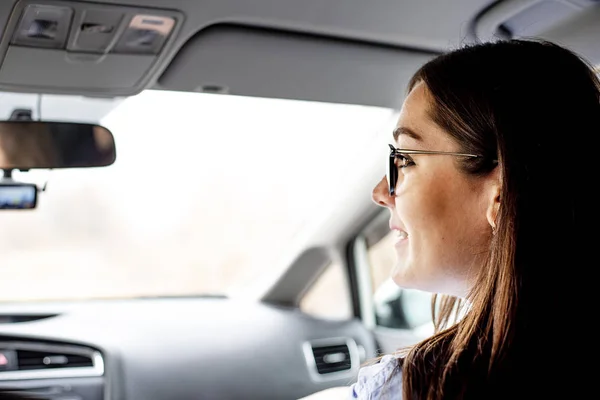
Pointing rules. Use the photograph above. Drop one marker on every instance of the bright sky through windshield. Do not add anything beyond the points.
(206, 191)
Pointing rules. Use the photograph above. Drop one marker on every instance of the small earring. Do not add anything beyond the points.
(494, 229)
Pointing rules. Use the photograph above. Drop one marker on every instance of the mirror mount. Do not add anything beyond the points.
(7, 174)
(7, 178)
(21, 114)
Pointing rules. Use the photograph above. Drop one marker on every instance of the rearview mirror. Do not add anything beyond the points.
(48, 145)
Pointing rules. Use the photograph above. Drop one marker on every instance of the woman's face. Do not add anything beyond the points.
(438, 212)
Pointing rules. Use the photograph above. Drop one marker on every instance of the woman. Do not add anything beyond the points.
(490, 172)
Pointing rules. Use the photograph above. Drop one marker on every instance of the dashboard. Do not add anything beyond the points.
(175, 348)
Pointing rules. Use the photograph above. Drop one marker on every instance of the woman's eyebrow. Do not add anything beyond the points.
(402, 130)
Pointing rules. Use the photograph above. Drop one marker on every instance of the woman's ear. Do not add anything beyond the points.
(493, 201)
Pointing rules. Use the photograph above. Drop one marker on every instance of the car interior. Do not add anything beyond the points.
(186, 202)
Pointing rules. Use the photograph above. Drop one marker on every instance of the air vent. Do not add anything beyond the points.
(334, 358)
(27, 360)
(34, 360)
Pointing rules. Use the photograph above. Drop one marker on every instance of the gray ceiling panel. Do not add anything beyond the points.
(277, 64)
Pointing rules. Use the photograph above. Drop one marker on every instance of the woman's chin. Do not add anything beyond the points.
(402, 276)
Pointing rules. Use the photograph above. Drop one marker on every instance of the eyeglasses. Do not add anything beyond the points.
(401, 154)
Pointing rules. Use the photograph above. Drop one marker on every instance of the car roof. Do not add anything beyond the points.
(336, 51)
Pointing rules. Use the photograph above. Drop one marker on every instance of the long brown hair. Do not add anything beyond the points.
(530, 105)
(26, 144)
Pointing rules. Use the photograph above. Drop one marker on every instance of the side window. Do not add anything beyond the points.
(395, 307)
(329, 296)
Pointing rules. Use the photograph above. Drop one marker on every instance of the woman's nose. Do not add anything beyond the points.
(381, 195)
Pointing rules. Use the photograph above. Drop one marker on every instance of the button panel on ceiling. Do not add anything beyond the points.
(96, 29)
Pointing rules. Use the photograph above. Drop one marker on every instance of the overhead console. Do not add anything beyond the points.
(84, 48)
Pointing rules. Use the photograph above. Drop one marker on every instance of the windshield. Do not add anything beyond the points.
(205, 193)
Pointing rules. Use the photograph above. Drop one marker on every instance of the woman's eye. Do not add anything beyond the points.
(403, 161)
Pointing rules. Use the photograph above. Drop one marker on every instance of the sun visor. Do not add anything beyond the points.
(84, 48)
(271, 63)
